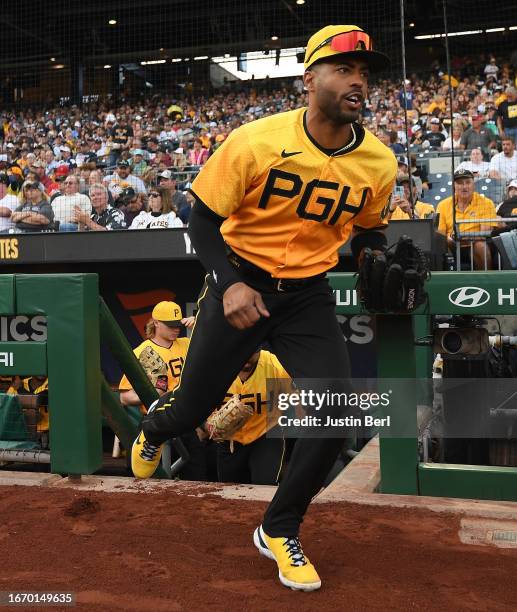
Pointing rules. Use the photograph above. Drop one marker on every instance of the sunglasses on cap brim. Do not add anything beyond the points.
(346, 42)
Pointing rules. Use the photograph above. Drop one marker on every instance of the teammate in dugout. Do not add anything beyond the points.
(162, 335)
(273, 205)
(250, 456)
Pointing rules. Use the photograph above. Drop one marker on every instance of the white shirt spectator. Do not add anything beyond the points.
(149, 220)
(479, 170)
(11, 202)
(506, 166)
(447, 144)
(129, 181)
(63, 206)
(491, 69)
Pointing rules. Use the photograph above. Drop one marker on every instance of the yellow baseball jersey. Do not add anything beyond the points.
(253, 392)
(422, 211)
(478, 208)
(28, 387)
(174, 357)
(289, 204)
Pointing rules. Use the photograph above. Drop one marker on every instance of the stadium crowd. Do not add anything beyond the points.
(106, 166)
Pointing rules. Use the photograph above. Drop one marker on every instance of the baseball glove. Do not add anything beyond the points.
(393, 281)
(155, 367)
(222, 424)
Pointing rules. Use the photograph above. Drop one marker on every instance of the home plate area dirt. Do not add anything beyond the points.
(164, 551)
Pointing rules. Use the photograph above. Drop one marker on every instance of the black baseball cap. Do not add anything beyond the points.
(463, 173)
(122, 163)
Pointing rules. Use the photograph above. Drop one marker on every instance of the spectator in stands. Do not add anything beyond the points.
(469, 206)
(395, 145)
(83, 154)
(160, 214)
(476, 165)
(8, 203)
(66, 157)
(138, 163)
(38, 167)
(417, 135)
(478, 137)
(508, 208)
(122, 178)
(121, 139)
(504, 165)
(133, 205)
(507, 115)
(491, 69)
(167, 180)
(184, 213)
(198, 155)
(179, 159)
(64, 205)
(400, 207)
(50, 161)
(455, 139)
(103, 217)
(34, 214)
(435, 136)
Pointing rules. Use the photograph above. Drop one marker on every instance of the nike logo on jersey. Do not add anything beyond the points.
(290, 154)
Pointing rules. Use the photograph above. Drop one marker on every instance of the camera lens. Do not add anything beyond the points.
(451, 342)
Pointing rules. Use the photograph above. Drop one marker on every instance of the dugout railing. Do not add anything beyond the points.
(79, 397)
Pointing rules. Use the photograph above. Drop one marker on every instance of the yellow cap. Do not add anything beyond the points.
(168, 313)
(319, 47)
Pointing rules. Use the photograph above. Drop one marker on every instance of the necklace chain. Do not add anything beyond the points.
(350, 144)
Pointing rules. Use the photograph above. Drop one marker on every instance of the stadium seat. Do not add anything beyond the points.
(495, 189)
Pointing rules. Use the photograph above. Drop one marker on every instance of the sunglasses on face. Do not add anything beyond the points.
(154, 195)
(354, 40)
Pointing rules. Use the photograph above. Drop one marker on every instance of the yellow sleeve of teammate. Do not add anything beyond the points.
(227, 174)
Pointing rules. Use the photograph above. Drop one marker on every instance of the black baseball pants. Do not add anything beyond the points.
(305, 336)
(259, 462)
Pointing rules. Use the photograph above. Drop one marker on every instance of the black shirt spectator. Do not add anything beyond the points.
(435, 137)
(110, 218)
(507, 111)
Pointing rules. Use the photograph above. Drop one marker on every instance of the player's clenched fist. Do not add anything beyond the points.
(243, 306)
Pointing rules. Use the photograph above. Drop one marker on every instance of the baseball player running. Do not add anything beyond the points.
(273, 205)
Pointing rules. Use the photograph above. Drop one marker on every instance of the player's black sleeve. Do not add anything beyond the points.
(207, 240)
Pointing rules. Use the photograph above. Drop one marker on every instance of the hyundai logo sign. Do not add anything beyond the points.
(469, 297)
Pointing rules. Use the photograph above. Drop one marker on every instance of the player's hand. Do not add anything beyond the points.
(243, 306)
(188, 322)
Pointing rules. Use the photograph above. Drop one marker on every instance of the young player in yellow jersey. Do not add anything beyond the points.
(273, 205)
(162, 333)
(251, 456)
